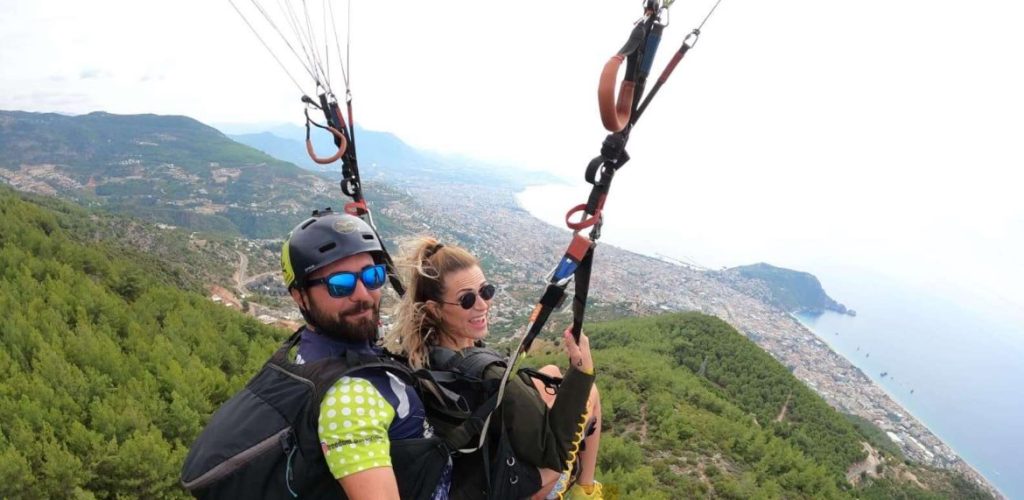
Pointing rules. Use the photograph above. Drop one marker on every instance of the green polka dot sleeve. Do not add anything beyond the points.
(353, 426)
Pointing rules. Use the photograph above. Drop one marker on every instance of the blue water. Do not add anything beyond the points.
(963, 366)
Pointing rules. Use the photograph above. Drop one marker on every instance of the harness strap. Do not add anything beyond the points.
(579, 301)
(450, 398)
(638, 53)
(461, 436)
(551, 384)
(333, 368)
(442, 358)
(669, 68)
(478, 360)
(280, 357)
(619, 116)
(471, 362)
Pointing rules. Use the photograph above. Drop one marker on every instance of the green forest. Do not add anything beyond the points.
(112, 360)
(692, 410)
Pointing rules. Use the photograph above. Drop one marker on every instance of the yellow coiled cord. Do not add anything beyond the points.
(577, 439)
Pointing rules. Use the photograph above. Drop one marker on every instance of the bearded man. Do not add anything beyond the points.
(333, 266)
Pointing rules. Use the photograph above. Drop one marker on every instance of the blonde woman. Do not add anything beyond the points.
(441, 324)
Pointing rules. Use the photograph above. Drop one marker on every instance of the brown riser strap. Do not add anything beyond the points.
(614, 112)
(338, 136)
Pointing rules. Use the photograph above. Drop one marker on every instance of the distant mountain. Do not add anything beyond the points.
(93, 143)
(383, 155)
(793, 291)
(169, 169)
(288, 150)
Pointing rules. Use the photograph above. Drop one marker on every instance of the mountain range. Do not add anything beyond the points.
(388, 158)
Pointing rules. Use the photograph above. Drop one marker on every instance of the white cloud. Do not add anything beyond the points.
(91, 73)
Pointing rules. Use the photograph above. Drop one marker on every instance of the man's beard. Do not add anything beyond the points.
(340, 327)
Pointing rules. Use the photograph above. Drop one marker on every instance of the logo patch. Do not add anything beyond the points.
(345, 226)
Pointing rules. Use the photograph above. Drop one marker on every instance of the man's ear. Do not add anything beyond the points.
(299, 297)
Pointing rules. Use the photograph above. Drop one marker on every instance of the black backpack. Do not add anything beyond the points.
(263, 442)
(458, 400)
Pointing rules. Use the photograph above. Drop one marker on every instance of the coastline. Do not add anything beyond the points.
(959, 463)
(812, 360)
(839, 382)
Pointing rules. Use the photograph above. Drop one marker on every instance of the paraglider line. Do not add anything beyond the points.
(272, 54)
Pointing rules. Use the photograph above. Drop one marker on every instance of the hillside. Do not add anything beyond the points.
(108, 369)
(234, 203)
(168, 169)
(789, 290)
(695, 410)
(109, 373)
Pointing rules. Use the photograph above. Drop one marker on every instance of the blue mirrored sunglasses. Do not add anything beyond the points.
(343, 284)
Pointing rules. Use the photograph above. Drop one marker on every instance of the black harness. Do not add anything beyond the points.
(462, 402)
(264, 441)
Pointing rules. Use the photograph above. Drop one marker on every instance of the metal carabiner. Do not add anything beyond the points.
(694, 35)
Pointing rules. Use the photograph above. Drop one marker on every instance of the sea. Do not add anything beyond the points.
(952, 361)
(955, 369)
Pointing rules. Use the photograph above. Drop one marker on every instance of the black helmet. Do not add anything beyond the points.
(325, 237)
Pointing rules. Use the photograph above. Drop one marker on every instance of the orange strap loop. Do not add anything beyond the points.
(614, 113)
(331, 159)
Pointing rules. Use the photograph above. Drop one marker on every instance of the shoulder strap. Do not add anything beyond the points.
(460, 437)
(324, 372)
(443, 358)
(328, 371)
(280, 357)
(476, 360)
(471, 362)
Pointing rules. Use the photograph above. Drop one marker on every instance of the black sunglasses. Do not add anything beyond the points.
(468, 300)
(343, 284)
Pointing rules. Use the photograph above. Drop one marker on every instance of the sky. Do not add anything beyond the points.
(879, 135)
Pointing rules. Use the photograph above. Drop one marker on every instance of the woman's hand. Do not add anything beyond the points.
(579, 354)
